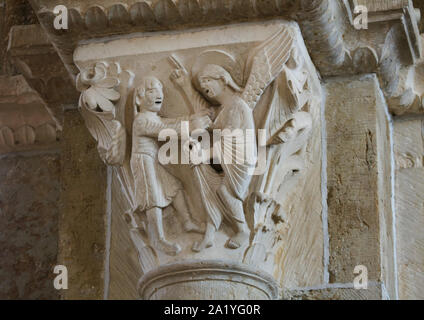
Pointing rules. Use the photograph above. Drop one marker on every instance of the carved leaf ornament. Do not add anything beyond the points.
(98, 89)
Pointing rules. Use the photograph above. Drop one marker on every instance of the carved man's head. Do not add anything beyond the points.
(213, 80)
(149, 95)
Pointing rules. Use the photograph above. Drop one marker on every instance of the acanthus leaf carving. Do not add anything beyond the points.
(98, 94)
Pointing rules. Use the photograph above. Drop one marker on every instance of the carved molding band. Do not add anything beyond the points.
(236, 281)
(335, 46)
(323, 31)
(25, 122)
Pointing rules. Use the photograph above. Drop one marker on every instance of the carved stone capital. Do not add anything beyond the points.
(192, 226)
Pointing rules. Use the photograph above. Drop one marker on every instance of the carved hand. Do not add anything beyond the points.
(204, 112)
(201, 122)
(181, 78)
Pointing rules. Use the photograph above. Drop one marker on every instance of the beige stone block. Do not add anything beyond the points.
(409, 143)
(358, 169)
(409, 155)
(409, 230)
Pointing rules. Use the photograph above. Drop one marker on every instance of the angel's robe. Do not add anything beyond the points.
(154, 185)
(237, 175)
(240, 144)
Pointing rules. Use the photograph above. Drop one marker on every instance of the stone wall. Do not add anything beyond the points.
(12, 12)
(29, 212)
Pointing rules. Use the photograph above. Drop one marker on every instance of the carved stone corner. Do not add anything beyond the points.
(25, 122)
(402, 11)
(398, 69)
(401, 84)
(35, 58)
(338, 48)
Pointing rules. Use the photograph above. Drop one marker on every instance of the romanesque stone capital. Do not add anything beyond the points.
(225, 222)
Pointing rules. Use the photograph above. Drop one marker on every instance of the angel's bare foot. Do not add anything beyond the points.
(208, 239)
(197, 247)
(238, 240)
(169, 248)
(190, 226)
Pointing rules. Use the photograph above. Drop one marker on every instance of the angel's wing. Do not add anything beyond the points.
(265, 63)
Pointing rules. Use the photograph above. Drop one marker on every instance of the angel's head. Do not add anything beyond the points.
(149, 95)
(213, 81)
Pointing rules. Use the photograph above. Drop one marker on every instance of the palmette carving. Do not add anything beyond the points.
(271, 92)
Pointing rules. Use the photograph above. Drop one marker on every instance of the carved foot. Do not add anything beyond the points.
(190, 226)
(169, 248)
(238, 240)
(208, 239)
(197, 247)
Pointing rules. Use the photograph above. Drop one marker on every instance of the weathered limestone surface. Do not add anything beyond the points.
(409, 153)
(15, 12)
(29, 212)
(124, 266)
(82, 223)
(358, 201)
(302, 260)
(409, 143)
(410, 238)
(108, 245)
(373, 292)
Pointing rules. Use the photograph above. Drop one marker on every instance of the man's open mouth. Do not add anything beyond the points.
(158, 101)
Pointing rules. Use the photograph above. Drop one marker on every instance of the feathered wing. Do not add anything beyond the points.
(265, 63)
(282, 114)
(279, 107)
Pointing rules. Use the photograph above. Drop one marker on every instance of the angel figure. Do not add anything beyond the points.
(234, 110)
(154, 187)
